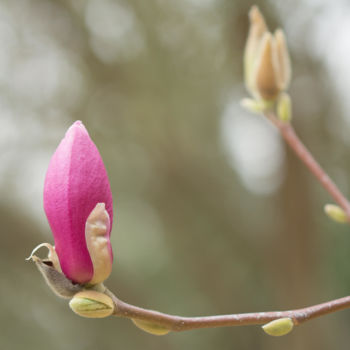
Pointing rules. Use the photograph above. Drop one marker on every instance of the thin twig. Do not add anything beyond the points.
(178, 323)
(289, 135)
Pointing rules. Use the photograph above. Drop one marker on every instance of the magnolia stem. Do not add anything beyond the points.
(178, 323)
(289, 135)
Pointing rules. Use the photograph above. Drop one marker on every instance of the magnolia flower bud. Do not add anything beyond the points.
(256, 32)
(150, 327)
(266, 59)
(79, 208)
(92, 304)
(279, 327)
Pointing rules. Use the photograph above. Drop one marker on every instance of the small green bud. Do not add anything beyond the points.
(336, 213)
(150, 327)
(279, 327)
(284, 108)
(256, 106)
(92, 304)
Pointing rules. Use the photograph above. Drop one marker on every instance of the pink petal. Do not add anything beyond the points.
(76, 181)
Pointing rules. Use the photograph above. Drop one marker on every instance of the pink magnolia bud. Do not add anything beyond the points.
(76, 184)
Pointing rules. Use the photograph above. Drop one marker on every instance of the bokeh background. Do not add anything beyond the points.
(213, 213)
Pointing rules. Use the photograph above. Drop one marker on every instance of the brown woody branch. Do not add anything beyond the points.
(179, 323)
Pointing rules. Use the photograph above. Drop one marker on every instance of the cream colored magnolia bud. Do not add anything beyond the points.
(150, 327)
(92, 304)
(279, 327)
(336, 213)
(284, 108)
(266, 60)
(256, 32)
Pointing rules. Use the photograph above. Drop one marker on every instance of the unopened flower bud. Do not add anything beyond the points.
(336, 213)
(79, 208)
(256, 32)
(150, 327)
(279, 327)
(92, 304)
(266, 60)
(284, 108)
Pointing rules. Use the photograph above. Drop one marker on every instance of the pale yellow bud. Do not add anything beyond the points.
(284, 108)
(336, 213)
(279, 327)
(92, 304)
(256, 31)
(255, 106)
(267, 67)
(150, 327)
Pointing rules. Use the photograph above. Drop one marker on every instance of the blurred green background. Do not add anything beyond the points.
(213, 214)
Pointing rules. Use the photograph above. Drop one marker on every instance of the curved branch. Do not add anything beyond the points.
(179, 323)
(289, 135)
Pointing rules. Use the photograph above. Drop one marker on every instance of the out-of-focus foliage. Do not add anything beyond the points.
(213, 214)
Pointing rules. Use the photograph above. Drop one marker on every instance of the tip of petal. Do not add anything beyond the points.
(256, 16)
(254, 12)
(78, 123)
(77, 126)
